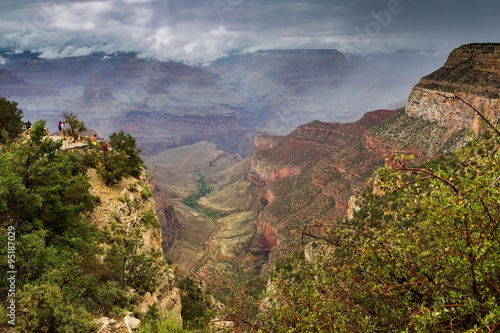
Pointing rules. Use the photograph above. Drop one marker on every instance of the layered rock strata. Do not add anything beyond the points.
(471, 73)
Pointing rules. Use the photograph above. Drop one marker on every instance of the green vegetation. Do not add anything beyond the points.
(203, 189)
(409, 133)
(126, 147)
(10, 120)
(122, 161)
(49, 310)
(64, 274)
(149, 218)
(153, 323)
(74, 124)
(195, 304)
(471, 75)
(146, 193)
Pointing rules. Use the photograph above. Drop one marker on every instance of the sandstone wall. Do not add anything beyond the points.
(472, 72)
(448, 111)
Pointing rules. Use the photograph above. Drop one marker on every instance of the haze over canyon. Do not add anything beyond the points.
(227, 102)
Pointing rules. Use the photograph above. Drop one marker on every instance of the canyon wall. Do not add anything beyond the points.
(307, 177)
(167, 105)
(171, 228)
(446, 110)
(122, 210)
(471, 73)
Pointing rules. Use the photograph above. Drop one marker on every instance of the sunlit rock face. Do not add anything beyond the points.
(472, 72)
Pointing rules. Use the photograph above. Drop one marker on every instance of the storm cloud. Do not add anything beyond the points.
(198, 31)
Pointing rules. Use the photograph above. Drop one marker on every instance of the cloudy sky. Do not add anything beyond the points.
(197, 31)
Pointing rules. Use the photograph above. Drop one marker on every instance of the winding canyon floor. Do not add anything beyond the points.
(217, 236)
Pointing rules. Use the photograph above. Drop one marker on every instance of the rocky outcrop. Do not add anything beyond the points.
(472, 72)
(123, 207)
(12, 85)
(313, 173)
(265, 141)
(483, 57)
(171, 227)
(448, 111)
(266, 235)
(352, 207)
(263, 172)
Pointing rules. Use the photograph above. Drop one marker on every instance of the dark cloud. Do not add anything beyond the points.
(203, 30)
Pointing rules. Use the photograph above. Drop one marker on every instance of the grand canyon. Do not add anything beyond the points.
(284, 139)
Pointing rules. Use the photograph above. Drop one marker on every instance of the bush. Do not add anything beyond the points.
(127, 145)
(90, 160)
(165, 324)
(48, 311)
(113, 167)
(75, 125)
(149, 219)
(10, 118)
(145, 193)
(195, 304)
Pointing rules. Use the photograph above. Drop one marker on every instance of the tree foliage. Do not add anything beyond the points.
(10, 118)
(49, 311)
(195, 304)
(202, 190)
(75, 125)
(126, 145)
(64, 272)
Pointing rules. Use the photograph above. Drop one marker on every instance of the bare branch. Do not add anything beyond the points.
(455, 96)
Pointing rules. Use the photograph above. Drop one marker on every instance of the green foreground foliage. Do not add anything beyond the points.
(10, 120)
(64, 276)
(422, 255)
(195, 304)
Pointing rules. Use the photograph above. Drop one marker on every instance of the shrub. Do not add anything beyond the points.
(149, 218)
(127, 145)
(75, 125)
(164, 324)
(146, 193)
(423, 257)
(195, 304)
(10, 118)
(48, 311)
